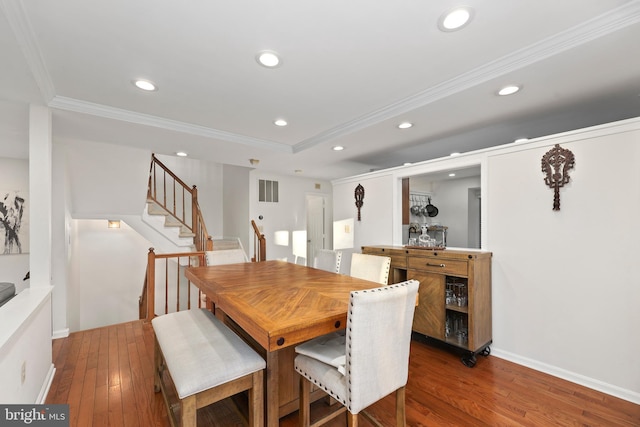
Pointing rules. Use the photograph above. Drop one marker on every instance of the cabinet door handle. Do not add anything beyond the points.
(436, 265)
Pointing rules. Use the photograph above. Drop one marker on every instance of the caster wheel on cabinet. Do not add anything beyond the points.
(485, 351)
(469, 361)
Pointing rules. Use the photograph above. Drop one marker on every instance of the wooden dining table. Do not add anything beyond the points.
(276, 305)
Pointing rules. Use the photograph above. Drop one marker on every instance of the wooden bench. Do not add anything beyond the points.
(206, 362)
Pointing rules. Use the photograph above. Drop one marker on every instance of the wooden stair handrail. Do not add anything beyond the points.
(259, 244)
(202, 240)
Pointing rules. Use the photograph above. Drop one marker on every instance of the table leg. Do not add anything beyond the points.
(272, 407)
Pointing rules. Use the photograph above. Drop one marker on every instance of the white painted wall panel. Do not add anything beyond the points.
(565, 283)
(565, 287)
(109, 267)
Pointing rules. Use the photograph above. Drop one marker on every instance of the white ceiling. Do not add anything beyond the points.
(351, 71)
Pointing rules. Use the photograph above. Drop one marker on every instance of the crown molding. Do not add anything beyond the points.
(607, 23)
(600, 26)
(99, 110)
(21, 27)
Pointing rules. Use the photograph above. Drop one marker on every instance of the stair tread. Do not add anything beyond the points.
(221, 244)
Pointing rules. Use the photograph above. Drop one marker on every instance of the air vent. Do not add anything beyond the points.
(267, 191)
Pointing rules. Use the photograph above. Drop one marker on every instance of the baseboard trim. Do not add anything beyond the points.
(60, 333)
(42, 397)
(592, 383)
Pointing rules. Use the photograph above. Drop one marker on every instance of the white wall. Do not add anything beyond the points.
(377, 213)
(107, 180)
(62, 298)
(235, 208)
(25, 343)
(40, 193)
(90, 180)
(289, 213)
(565, 283)
(108, 272)
(27, 319)
(565, 286)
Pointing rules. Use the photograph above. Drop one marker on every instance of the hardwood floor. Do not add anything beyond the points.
(106, 377)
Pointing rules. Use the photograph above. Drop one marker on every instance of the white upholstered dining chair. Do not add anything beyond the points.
(370, 267)
(328, 260)
(355, 369)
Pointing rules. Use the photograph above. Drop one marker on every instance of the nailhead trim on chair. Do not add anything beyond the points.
(385, 288)
(348, 328)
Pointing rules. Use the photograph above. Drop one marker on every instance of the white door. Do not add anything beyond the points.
(316, 233)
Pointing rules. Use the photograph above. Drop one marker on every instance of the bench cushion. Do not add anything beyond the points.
(201, 352)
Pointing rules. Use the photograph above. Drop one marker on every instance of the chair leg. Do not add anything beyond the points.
(401, 419)
(256, 401)
(188, 411)
(352, 419)
(305, 402)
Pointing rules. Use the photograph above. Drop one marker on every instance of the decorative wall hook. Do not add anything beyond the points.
(556, 164)
(359, 195)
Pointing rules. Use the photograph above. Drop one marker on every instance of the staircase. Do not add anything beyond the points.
(177, 233)
(168, 226)
(172, 210)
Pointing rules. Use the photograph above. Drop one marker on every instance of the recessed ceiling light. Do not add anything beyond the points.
(280, 122)
(452, 174)
(145, 85)
(509, 90)
(521, 140)
(407, 164)
(455, 153)
(455, 19)
(268, 58)
(181, 154)
(405, 125)
(337, 148)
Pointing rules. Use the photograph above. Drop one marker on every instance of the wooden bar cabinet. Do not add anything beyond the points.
(454, 296)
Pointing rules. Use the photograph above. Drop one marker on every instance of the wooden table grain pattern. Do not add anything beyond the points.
(279, 305)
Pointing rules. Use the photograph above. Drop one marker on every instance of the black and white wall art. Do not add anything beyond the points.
(14, 222)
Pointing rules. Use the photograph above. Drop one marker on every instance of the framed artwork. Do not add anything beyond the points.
(14, 222)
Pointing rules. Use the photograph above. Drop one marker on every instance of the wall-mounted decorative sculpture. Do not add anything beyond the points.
(555, 165)
(359, 195)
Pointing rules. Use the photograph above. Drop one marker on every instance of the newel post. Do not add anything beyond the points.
(151, 285)
(194, 210)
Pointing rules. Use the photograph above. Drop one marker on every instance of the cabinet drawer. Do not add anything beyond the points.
(439, 265)
(398, 256)
(399, 261)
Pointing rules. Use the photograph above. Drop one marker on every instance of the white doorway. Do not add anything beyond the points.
(316, 226)
(474, 219)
